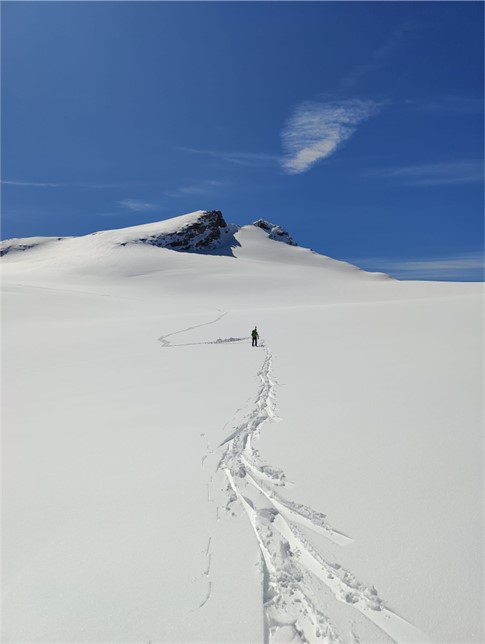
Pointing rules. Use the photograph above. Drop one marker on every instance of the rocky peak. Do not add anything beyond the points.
(275, 232)
(207, 232)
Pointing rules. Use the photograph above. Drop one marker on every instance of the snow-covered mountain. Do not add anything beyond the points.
(199, 232)
(206, 247)
(165, 481)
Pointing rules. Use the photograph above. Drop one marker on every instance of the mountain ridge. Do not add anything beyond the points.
(186, 243)
(200, 231)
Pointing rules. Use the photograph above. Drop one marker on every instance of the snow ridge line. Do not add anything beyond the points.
(292, 568)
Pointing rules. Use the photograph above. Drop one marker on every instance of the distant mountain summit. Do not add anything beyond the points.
(275, 232)
(201, 231)
(202, 241)
(206, 230)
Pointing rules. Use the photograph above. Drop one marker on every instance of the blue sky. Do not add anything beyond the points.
(358, 126)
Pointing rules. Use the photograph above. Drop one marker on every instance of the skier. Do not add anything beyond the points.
(255, 336)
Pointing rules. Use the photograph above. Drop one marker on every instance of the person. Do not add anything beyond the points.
(255, 336)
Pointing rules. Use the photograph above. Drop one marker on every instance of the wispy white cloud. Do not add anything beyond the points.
(198, 188)
(47, 184)
(251, 159)
(116, 213)
(316, 130)
(435, 174)
(32, 184)
(460, 267)
(137, 206)
(313, 132)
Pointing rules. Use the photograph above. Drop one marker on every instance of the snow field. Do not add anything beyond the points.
(164, 481)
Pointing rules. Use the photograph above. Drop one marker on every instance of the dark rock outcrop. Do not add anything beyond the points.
(18, 245)
(275, 232)
(7, 248)
(209, 232)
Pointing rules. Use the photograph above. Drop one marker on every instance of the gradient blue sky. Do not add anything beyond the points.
(358, 126)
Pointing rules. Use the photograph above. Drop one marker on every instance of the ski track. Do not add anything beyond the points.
(208, 595)
(207, 573)
(218, 341)
(292, 568)
(167, 343)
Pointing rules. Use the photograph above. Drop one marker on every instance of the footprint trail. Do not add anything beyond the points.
(293, 569)
(298, 579)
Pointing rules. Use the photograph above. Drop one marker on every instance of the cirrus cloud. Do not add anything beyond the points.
(435, 174)
(137, 206)
(461, 267)
(316, 130)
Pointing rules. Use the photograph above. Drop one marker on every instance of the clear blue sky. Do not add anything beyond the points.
(358, 126)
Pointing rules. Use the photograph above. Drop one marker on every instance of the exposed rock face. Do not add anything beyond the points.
(7, 248)
(210, 231)
(17, 245)
(275, 232)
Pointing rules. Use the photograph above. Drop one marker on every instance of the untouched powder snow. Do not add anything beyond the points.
(164, 481)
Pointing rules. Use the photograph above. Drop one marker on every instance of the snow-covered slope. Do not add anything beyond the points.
(200, 231)
(164, 481)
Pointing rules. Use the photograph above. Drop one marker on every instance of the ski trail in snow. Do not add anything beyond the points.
(208, 596)
(218, 341)
(206, 574)
(292, 567)
(167, 343)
